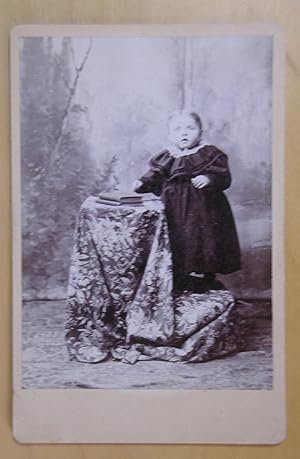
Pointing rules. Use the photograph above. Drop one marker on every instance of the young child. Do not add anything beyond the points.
(190, 177)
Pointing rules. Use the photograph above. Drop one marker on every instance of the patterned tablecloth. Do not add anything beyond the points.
(120, 301)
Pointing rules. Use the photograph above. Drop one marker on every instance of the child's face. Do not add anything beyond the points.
(184, 132)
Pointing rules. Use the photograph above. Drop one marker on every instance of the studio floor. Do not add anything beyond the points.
(46, 364)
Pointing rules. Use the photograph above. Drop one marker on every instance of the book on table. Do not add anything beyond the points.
(117, 198)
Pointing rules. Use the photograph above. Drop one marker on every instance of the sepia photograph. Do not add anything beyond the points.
(146, 217)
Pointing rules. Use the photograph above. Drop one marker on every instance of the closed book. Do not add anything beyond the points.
(118, 204)
(122, 197)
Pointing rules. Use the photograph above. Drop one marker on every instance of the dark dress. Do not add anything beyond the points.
(202, 231)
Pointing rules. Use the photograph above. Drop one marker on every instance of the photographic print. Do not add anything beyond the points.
(143, 174)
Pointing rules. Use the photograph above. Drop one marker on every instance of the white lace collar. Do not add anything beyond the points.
(178, 153)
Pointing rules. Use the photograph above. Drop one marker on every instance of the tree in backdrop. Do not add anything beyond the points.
(58, 172)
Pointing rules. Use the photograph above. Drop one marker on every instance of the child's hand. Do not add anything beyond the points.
(136, 185)
(200, 181)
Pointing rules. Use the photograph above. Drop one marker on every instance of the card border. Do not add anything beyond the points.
(151, 416)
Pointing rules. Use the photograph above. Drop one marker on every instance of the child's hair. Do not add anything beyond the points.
(193, 115)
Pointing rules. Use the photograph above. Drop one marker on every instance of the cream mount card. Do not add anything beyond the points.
(148, 263)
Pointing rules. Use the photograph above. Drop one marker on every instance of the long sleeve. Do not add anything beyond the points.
(154, 178)
(219, 173)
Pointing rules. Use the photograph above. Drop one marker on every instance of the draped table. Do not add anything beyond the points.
(121, 303)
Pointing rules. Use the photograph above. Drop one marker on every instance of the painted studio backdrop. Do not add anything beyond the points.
(93, 112)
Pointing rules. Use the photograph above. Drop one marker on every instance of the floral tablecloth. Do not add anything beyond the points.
(120, 300)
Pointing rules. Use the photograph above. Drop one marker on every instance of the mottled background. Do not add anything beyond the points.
(94, 112)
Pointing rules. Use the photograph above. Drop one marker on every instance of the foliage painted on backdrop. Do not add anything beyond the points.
(88, 127)
(57, 170)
